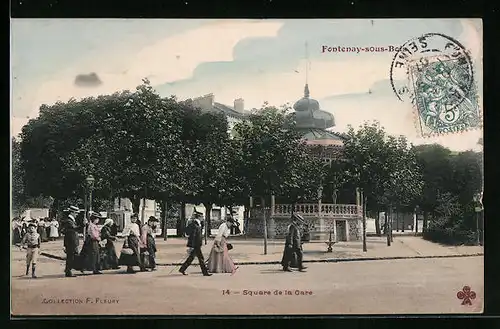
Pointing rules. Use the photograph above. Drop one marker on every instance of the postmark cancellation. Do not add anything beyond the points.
(445, 98)
(436, 74)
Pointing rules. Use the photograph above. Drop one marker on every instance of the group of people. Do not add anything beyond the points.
(98, 252)
(47, 228)
(219, 260)
(139, 248)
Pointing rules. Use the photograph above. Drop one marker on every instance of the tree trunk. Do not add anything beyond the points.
(246, 218)
(390, 225)
(397, 221)
(264, 216)
(386, 225)
(416, 224)
(136, 204)
(364, 222)
(163, 216)
(181, 222)
(53, 210)
(426, 217)
(208, 224)
(143, 211)
(377, 223)
(403, 227)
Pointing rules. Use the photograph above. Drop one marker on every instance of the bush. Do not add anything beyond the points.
(450, 236)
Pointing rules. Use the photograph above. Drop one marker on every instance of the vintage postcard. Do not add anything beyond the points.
(246, 167)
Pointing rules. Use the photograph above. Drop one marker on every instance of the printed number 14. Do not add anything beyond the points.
(225, 292)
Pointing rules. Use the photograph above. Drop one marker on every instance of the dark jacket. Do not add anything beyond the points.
(70, 234)
(107, 235)
(293, 236)
(195, 239)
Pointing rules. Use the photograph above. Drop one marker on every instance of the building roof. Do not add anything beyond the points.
(306, 103)
(315, 136)
(227, 110)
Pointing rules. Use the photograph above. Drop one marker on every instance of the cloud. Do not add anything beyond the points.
(167, 60)
(264, 61)
(87, 80)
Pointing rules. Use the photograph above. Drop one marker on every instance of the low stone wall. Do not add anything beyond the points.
(319, 227)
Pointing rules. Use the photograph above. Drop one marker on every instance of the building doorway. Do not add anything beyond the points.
(341, 230)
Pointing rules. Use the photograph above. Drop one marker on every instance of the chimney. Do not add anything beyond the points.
(239, 105)
(204, 102)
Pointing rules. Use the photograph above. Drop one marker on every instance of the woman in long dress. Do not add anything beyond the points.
(54, 229)
(109, 257)
(132, 234)
(89, 255)
(17, 227)
(42, 230)
(219, 260)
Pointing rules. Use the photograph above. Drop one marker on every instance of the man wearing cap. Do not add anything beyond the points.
(32, 241)
(195, 241)
(293, 244)
(70, 239)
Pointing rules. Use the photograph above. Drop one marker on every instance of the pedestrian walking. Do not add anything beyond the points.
(89, 256)
(109, 257)
(195, 241)
(148, 240)
(219, 260)
(130, 255)
(293, 245)
(71, 240)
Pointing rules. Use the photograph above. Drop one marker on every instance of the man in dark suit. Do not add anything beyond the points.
(293, 245)
(195, 241)
(70, 239)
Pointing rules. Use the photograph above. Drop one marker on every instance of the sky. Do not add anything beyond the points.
(257, 60)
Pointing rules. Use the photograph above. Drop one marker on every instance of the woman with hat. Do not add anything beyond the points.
(148, 241)
(219, 260)
(54, 229)
(90, 252)
(17, 226)
(42, 229)
(132, 234)
(109, 257)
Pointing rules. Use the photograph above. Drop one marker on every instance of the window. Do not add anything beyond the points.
(216, 214)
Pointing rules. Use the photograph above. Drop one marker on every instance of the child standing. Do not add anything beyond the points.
(32, 240)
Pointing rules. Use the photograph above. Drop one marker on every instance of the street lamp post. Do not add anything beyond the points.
(478, 208)
(90, 184)
(417, 208)
(363, 210)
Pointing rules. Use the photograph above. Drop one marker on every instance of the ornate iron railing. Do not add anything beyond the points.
(318, 210)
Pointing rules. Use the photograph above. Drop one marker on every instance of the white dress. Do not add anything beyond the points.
(54, 229)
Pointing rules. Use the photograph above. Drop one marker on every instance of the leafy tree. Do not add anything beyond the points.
(304, 175)
(273, 158)
(18, 197)
(436, 169)
(208, 146)
(367, 168)
(46, 143)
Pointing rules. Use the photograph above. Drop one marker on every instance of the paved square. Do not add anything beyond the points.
(413, 286)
